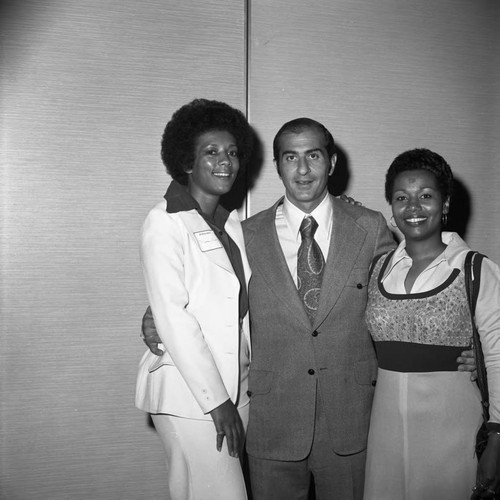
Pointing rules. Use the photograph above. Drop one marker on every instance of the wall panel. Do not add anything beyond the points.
(384, 77)
(86, 90)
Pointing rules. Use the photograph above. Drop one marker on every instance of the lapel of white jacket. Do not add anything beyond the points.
(200, 231)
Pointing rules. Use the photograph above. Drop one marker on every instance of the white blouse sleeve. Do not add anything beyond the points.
(488, 324)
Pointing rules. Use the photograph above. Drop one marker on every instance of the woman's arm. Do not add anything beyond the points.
(488, 323)
(163, 247)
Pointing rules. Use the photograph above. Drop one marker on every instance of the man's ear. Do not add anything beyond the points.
(276, 164)
(333, 161)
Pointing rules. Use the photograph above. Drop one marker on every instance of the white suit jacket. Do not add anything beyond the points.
(193, 292)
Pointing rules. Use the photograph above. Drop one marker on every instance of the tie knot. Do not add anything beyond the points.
(308, 227)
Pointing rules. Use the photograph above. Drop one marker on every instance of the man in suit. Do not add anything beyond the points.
(312, 375)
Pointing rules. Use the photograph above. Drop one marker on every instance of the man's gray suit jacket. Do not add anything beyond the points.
(292, 358)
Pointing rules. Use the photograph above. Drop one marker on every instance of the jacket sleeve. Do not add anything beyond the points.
(385, 239)
(163, 256)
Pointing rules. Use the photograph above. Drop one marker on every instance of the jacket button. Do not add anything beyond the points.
(359, 286)
(315, 333)
(310, 371)
(374, 383)
(249, 394)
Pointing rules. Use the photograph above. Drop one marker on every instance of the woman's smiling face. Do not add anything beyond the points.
(215, 166)
(417, 204)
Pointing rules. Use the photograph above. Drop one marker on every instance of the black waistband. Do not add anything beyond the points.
(411, 357)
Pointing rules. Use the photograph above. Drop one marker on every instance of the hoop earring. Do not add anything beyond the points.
(444, 219)
(393, 222)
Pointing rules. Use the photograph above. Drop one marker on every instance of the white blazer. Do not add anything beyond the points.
(193, 292)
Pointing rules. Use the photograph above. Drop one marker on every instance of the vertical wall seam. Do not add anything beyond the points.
(246, 210)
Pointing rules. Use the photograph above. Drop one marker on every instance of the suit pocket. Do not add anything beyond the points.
(366, 372)
(358, 278)
(260, 381)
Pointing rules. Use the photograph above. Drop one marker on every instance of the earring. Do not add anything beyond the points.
(444, 219)
(393, 222)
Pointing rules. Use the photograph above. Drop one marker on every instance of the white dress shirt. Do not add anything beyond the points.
(288, 221)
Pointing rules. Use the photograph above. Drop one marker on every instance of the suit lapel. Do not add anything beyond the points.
(206, 240)
(266, 256)
(346, 241)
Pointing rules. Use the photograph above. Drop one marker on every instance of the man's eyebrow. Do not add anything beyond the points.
(308, 151)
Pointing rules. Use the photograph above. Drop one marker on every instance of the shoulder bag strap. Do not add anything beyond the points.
(472, 270)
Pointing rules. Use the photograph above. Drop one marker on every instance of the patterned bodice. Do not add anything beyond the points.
(438, 317)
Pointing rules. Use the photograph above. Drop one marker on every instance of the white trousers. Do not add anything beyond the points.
(195, 469)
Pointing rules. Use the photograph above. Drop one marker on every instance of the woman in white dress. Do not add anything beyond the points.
(426, 413)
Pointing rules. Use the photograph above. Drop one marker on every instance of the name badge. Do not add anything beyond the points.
(207, 240)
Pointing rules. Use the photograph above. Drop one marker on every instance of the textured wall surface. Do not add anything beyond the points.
(86, 90)
(385, 77)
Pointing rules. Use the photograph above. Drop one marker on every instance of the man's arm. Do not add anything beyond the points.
(149, 333)
(226, 418)
(151, 338)
(385, 241)
(466, 363)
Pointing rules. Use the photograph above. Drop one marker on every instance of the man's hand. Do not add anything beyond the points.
(467, 363)
(228, 423)
(149, 333)
(350, 200)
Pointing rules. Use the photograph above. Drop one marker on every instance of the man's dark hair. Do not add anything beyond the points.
(296, 127)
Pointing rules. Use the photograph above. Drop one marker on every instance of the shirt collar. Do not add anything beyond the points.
(179, 200)
(323, 215)
(455, 246)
